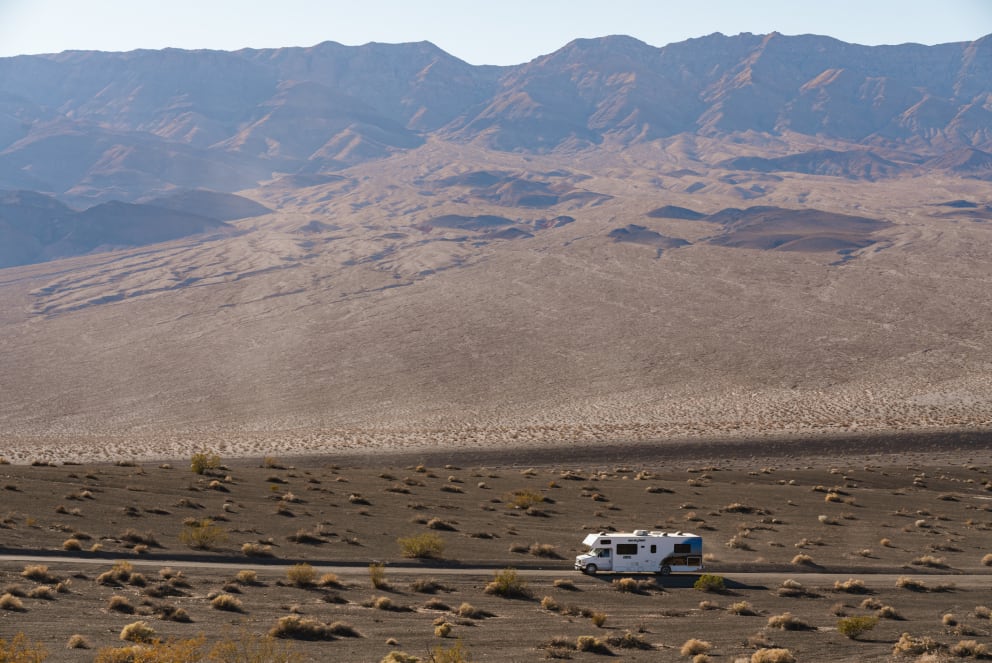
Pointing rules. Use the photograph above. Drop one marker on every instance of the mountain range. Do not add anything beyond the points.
(348, 247)
(94, 126)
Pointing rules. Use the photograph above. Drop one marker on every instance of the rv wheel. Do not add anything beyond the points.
(591, 569)
(666, 570)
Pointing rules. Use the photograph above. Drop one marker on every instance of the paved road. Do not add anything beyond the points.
(734, 579)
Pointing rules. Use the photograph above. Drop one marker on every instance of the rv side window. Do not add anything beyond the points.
(654, 548)
(603, 552)
(626, 548)
(683, 548)
(605, 542)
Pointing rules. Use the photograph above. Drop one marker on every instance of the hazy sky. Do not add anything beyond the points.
(489, 32)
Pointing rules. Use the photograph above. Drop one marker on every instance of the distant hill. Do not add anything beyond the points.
(36, 228)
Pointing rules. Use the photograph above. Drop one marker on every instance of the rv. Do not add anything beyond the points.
(641, 551)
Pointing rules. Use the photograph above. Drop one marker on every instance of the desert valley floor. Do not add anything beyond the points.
(802, 539)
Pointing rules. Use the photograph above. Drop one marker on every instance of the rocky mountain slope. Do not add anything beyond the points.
(91, 125)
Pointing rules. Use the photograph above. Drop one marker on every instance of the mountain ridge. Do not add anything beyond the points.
(238, 117)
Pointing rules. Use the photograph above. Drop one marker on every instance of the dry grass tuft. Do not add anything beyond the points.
(227, 603)
(629, 640)
(301, 575)
(300, 628)
(787, 621)
(851, 586)
(592, 644)
(970, 649)
(121, 604)
(915, 646)
(742, 608)
(693, 646)
(773, 655)
(138, 632)
(508, 584)
(10, 602)
(77, 641)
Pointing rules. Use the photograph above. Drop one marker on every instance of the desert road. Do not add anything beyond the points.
(745, 579)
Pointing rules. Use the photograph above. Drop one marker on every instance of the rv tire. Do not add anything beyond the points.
(666, 570)
(591, 569)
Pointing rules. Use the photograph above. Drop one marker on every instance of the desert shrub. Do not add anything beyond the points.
(709, 582)
(119, 603)
(567, 585)
(427, 586)
(793, 589)
(249, 647)
(329, 580)
(441, 525)
(629, 641)
(983, 612)
(421, 546)
(912, 584)
(851, 586)
(454, 654)
(72, 544)
(76, 641)
(226, 602)
(987, 560)
(693, 646)
(633, 585)
(803, 560)
(399, 657)
(908, 644)
(301, 575)
(202, 534)
(549, 603)
(39, 573)
(598, 618)
(247, 577)
(135, 538)
(43, 592)
(970, 649)
(545, 550)
(294, 627)
(592, 644)
(888, 612)
(523, 498)
(306, 537)
(377, 575)
(21, 650)
(788, 622)
(742, 608)
(469, 611)
(344, 630)
(773, 655)
(930, 561)
(508, 584)
(10, 602)
(138, 632)
(442, 630)
(256, 550)
(436, 604)
(203, 461)
(855, 627)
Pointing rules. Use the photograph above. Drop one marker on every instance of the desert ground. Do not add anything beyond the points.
(822, 530)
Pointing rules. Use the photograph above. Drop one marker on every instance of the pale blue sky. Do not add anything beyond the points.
(490, 32)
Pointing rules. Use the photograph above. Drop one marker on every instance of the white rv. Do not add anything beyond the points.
(641, 551)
